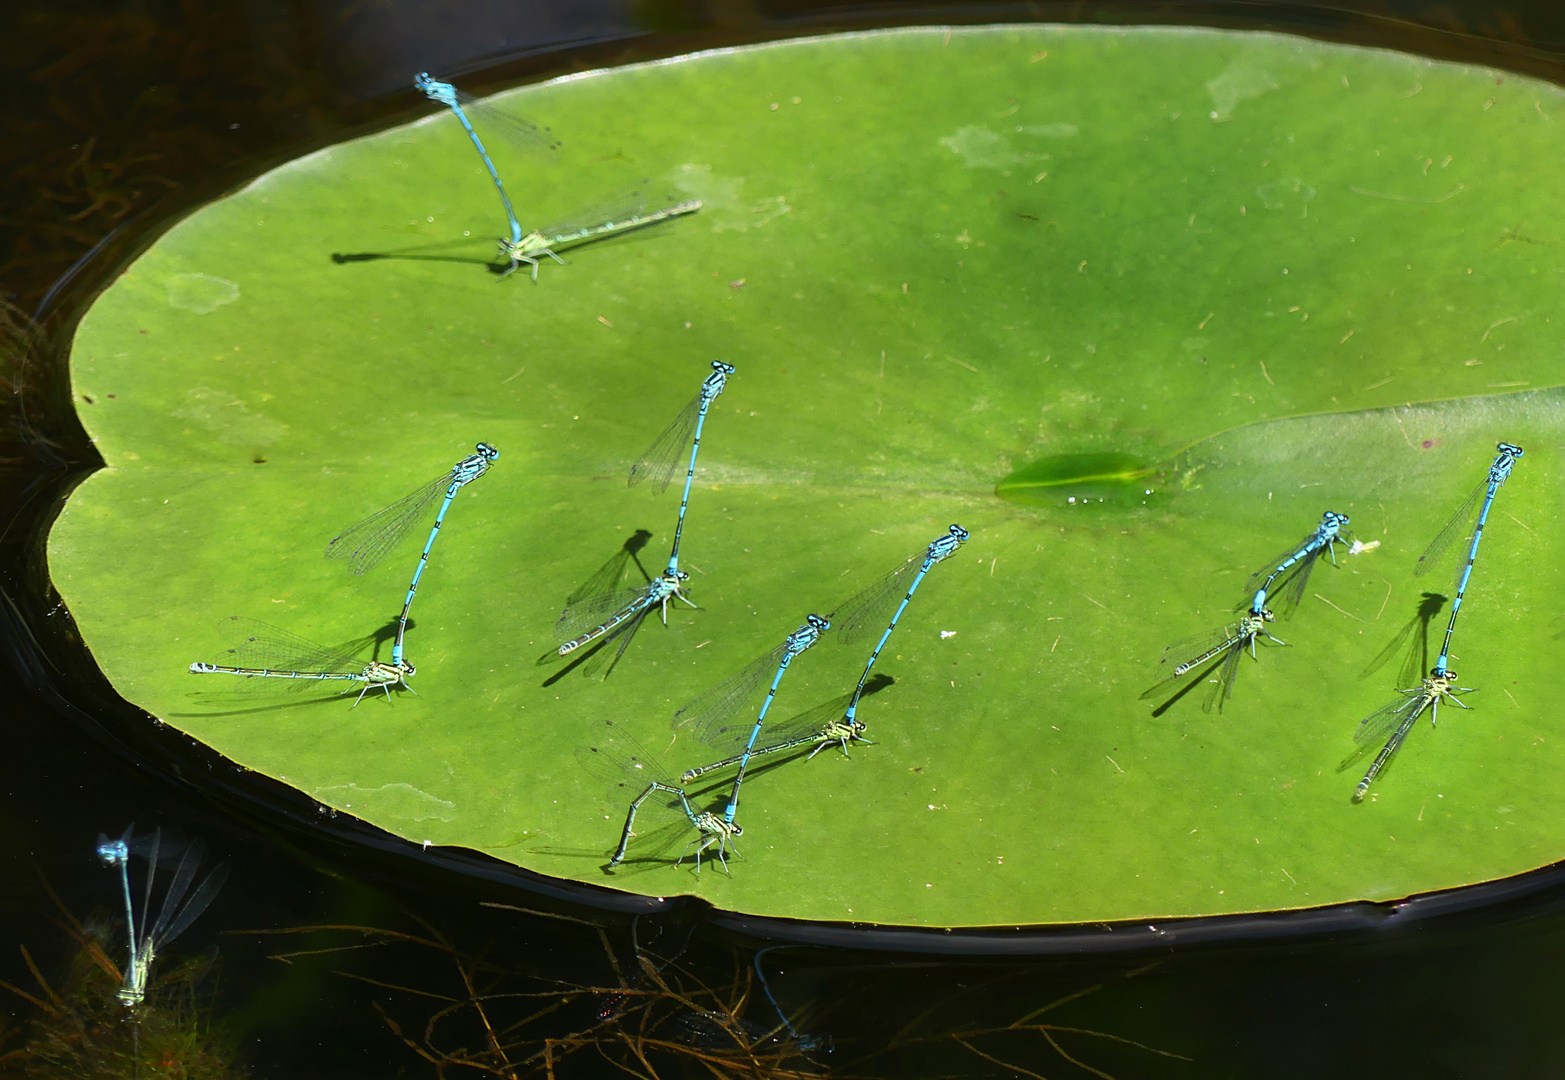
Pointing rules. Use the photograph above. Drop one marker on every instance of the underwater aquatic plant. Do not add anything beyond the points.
(81, 1030)
(658, 1016)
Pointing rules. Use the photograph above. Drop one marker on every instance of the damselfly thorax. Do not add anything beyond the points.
(378, 673)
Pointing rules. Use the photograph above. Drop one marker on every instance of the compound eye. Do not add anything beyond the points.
(738, 830)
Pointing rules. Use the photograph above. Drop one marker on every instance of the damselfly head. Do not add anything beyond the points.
(959, 532)
(726, 369)
(1509, 448)
(112, 852)
(1333, 518)
(1265, 615)
(434, 89)
(818, 622)
(485, 451)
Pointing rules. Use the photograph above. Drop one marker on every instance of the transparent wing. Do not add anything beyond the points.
(810, 722)
(595, 611)
(364, 545)
(1284, 556)
(184, 873)
(1272, 564)
(868, 610)
(152, 873)
(610, 576)
(1403, 640)
(711, 714)
(658, 463)
(1377, 725)
(1188, 649)
(609, 655)
(522, 134)
(1387, 726)
(1298, 579)
(616, 759)
(1458, 528)
(618, 206)
(262, 645)
(152, 846)
(198, 902)
(1223, 684)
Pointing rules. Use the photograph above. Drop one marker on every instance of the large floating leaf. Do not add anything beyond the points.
(1283, 277)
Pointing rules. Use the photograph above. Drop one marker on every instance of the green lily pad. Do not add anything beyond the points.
(1286, 277)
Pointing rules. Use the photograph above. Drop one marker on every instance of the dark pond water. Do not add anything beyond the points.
(123, 115)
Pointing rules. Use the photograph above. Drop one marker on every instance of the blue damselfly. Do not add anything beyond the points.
(656, 466)
(862, 613)
(364, 545)
(174, 915)
(517, 131)
(1463, 526)
(1296, 563)
(713, 715)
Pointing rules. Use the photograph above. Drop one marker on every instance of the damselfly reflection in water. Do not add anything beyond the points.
(176, 912)
(270, 655)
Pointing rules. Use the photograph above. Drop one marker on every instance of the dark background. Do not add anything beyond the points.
(121, 117)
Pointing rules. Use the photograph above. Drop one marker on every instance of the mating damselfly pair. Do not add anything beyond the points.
(1216, 655)
(148, 936)
(267, 652)
(722, 718)
(1389, 725)
(636, 207)
(596, 615)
